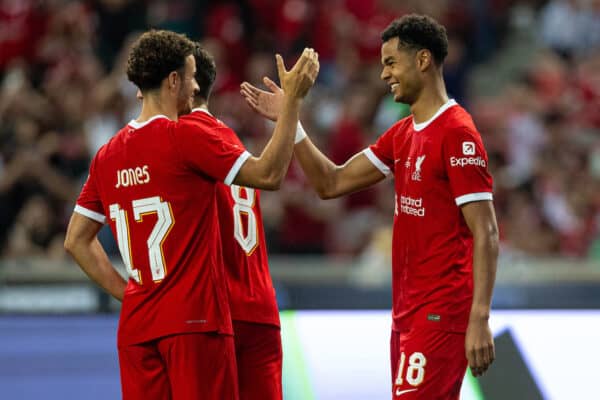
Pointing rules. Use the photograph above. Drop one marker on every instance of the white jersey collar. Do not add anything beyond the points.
(137, 125)
(201, 109)
(423, 125)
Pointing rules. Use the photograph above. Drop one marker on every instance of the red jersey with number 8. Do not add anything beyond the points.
(155, 184)
(438, 166)
(251, 292)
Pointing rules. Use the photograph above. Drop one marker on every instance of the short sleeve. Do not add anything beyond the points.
(205, 151)
(89, 203)
(466, 164)
(381, 154)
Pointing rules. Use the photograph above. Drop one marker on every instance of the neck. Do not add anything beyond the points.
(153, 105)
(429, 102)
(202, 104)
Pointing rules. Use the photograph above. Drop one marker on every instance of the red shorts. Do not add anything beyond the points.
(259, 360)
(180, 367)
(427, 364)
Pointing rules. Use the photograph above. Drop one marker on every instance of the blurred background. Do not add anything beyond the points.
(527, 70)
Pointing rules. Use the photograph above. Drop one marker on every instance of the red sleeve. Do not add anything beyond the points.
(88, 203)
(466, 164)
(381, 154)
(205, 151)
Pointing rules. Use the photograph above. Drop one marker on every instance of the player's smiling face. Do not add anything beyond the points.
(188, 87)
(400, 71)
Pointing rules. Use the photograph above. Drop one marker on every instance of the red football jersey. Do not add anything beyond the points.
(438, 165)
(251, 292)
(155, 183)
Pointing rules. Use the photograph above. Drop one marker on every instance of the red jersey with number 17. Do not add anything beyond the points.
(251, 292)
(438, 165)
(155, 183)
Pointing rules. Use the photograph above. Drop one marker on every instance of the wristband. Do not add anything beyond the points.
(300, 133)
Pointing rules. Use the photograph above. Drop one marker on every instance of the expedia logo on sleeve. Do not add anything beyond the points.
(464, 161)
(468, 148)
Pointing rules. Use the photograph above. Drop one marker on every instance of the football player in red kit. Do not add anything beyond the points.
(445, 236)
(155, 184)
(252, 300)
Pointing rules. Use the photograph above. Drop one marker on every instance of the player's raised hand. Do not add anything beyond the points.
(267, 104)
(297, 82)
(479, 346)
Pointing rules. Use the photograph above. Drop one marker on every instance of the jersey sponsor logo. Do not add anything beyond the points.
(468, 148)
(434, 317)
(464, 161)
(401, 392)
(411, 206)
(416, 176)
(132, 176)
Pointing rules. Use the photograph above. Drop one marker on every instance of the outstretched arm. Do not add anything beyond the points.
(331, 180)
(328, 179)
(267, 170)
(479, 342)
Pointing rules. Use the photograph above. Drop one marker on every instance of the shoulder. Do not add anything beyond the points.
(113, 144)
(208, 123)
(199, 118)
(458, 123)
(459, 118)
(402, 125)
(399, 128)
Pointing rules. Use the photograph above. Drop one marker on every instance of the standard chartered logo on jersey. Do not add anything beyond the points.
(410, 206)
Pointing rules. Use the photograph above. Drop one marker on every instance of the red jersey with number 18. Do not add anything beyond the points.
(438, 165)
(155, 184)
(251, 292)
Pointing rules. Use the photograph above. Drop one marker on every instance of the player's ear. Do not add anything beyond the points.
(172, 79)
(424, 59)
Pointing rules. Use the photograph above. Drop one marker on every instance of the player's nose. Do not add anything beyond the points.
(384, 74)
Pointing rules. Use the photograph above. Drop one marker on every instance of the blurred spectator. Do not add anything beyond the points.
(35, 232)
(571, 27)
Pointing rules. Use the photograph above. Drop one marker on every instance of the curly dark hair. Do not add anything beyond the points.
(419, 32)
(156, 54)
(206, 71)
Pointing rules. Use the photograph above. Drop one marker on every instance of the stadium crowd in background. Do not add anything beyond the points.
(528, 71)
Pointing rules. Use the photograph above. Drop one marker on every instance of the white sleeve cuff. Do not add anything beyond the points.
(237, 165)
(90, 214)
(468, 198)
(380, 165)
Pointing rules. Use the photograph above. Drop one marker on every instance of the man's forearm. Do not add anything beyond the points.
(319, 169)
(485, 255)
(273, 162)
(278, 152)
(93, 260)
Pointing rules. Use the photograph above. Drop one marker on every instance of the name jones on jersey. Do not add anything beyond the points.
(132, 176)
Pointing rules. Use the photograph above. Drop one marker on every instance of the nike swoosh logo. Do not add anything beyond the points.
(401, 392)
